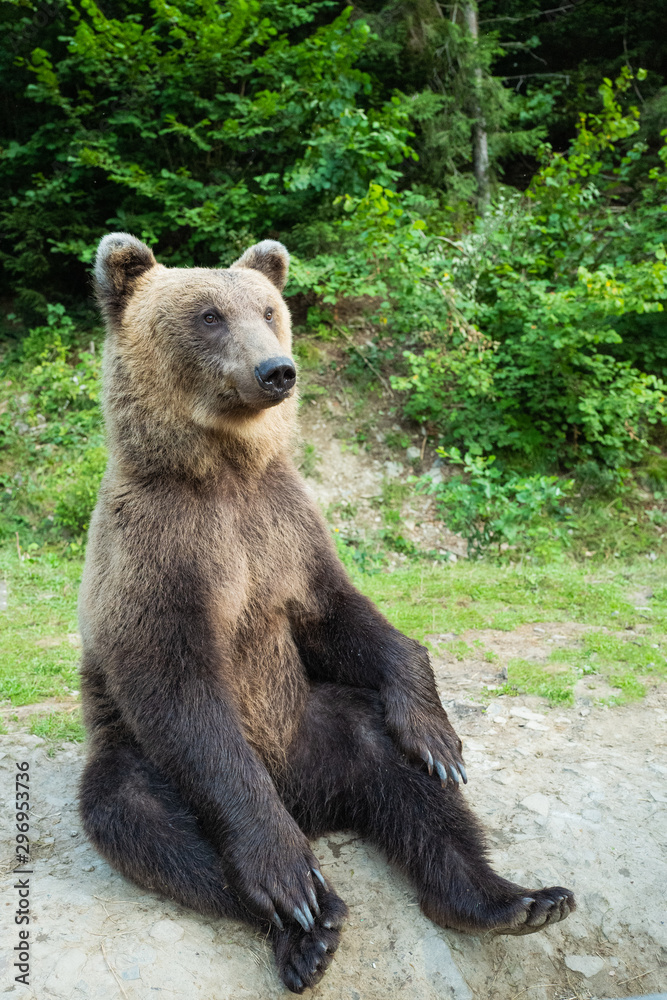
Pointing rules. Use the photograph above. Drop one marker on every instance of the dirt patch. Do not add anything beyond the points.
(16, 717)
(569, 800)
(349, 480)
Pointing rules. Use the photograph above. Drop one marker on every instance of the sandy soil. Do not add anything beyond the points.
(575, 797)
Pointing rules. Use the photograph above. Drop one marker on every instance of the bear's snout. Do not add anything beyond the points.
(276, 376)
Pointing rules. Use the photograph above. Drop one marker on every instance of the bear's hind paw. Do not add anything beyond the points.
(539, 909)
(304, 958)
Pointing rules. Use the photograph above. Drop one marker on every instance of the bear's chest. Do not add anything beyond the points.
(264, 548)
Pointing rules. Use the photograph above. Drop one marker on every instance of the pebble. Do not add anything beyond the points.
(525, 713)
(412, 453)
(587, 965)
(537, 803)
(502, 779)
(535, 725)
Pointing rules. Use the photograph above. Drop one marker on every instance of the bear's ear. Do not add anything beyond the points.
(268, 257)
(120, 260)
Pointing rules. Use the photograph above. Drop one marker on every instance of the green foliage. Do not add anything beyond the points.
(308, 461)
(512, 334)
(192, 125)
(77, 501)
(51, 431)
(447, 75)
(492, 508)
(542, 378)
(39, 652)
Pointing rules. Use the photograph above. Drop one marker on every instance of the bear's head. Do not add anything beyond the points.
(194, 351)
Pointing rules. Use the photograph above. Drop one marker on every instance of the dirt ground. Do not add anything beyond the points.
(573, 796)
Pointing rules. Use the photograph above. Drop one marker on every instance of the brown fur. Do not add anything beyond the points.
(233, 679)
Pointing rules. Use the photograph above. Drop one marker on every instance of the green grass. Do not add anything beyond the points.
(59, 727)
(422, 598)
(600, 650)
(37, 659)
(553, 682)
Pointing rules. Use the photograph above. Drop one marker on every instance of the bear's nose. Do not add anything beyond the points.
(278, 375)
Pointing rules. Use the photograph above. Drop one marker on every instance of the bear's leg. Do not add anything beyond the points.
(141, 826)
(346, 772)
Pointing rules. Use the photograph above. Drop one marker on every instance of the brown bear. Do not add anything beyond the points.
(240, 695)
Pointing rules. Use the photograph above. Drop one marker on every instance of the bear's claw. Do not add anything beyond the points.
(544, 907)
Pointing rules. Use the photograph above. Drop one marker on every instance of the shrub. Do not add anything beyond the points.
(75, 504)
(492, 508)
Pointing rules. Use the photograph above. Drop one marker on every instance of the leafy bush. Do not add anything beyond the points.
(492, 508)
(77, 501)
(193, 125)
(51, 430)
(512, 335)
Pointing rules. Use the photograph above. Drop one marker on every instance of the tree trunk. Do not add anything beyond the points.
(480, 148)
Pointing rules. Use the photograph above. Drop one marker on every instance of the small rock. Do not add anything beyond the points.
(47, 841)
(502, 779)
(584, 712)
(525, 713)
(393, 469)
(537, 803)
(500, 720)
(412, 453)
(536, 725)
(587, 965)
(537, 629)
(131, 973)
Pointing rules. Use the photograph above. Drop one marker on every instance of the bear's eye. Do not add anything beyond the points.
(210, 318)
(268, 314)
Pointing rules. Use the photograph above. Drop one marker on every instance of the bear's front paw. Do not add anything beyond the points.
(281, 881)
(428, 736)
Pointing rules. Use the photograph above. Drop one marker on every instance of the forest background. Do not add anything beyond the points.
(474, 196)
(480, 194)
